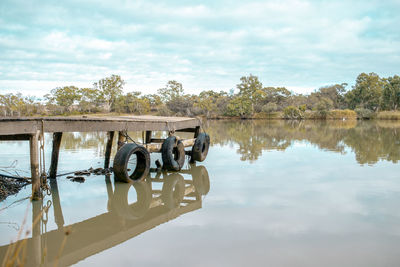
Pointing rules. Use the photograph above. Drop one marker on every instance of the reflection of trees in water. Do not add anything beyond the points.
(97, 140)
(84, 140)
(371, 141)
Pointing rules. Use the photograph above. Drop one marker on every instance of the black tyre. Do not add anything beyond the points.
(131, 163)
(173, 154)
(201, 180)
(134, 210)
(200, 147)
(173, 190)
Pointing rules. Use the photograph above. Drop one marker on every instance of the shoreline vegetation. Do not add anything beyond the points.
(371, 97)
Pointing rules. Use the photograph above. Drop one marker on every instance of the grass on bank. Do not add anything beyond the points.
(388, 115)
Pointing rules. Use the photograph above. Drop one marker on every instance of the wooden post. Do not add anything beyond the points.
(109, 193)
(36, 233)
(148, 137)
(34, 155)
(121, 139)
(55, 153)
(58, 214)
(110, 138)
(196, 131)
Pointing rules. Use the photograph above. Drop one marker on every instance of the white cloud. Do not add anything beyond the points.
(295, 43)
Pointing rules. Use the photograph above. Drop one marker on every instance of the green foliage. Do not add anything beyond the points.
(334, 94)
(90, 100)
(303, 107)
(172, 90)
(369, 95)
(270, 107)
(16, 104)
(132, 103)
(278, 95)
(366, 93)
(292, 113)
(391, 93)
(64, 96)
(110, 89)
(365, 114)
(181, 104)
(239, 107)
(250, 91)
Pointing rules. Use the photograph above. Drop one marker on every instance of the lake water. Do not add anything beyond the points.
(270, 193)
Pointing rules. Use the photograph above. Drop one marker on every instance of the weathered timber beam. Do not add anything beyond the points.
(34, 158)
(197, 131)
(110, 138)
(50, 124)
(148, 137)
(15, 137)
(156, 147)
(121, 139)
(156, 140)
(187, 130)
(55, 154)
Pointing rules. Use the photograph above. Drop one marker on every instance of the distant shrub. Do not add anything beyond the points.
(292, 113)
(388, 115)
(271, 115)
(303, 107)
(270, 107)
(313, 115)
(364, 114)
(163, 111)
(339, 114)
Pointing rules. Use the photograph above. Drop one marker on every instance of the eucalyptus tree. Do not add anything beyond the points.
(110, 89)
(64, 97)
(391, 93)
(366, 93)
(250, 91)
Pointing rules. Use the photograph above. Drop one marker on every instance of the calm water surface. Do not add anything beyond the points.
(269, 194)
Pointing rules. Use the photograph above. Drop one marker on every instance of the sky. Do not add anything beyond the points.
(205, 45)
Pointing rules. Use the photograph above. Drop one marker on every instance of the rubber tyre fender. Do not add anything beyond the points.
(201, 180)
(173, 154)
(200, 147)
(173, 190)
(135, 210)
(121, 162)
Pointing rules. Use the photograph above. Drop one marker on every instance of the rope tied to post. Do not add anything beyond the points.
(42, 162)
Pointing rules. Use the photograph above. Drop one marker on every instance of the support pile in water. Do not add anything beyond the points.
(9, 186)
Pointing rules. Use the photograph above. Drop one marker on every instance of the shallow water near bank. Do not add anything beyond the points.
(270, 193)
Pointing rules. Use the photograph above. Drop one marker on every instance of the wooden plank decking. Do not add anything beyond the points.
(27, 126)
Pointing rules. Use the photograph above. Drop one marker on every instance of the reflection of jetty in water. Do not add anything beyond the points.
(122, 222)
(370, 141)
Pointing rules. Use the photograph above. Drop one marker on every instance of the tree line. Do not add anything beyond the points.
(366, 97)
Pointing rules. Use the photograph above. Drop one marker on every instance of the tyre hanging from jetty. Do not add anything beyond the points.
(200, 147)
(173, 154)
(131, 163)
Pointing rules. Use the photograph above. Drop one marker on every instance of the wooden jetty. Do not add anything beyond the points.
(32, 129)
